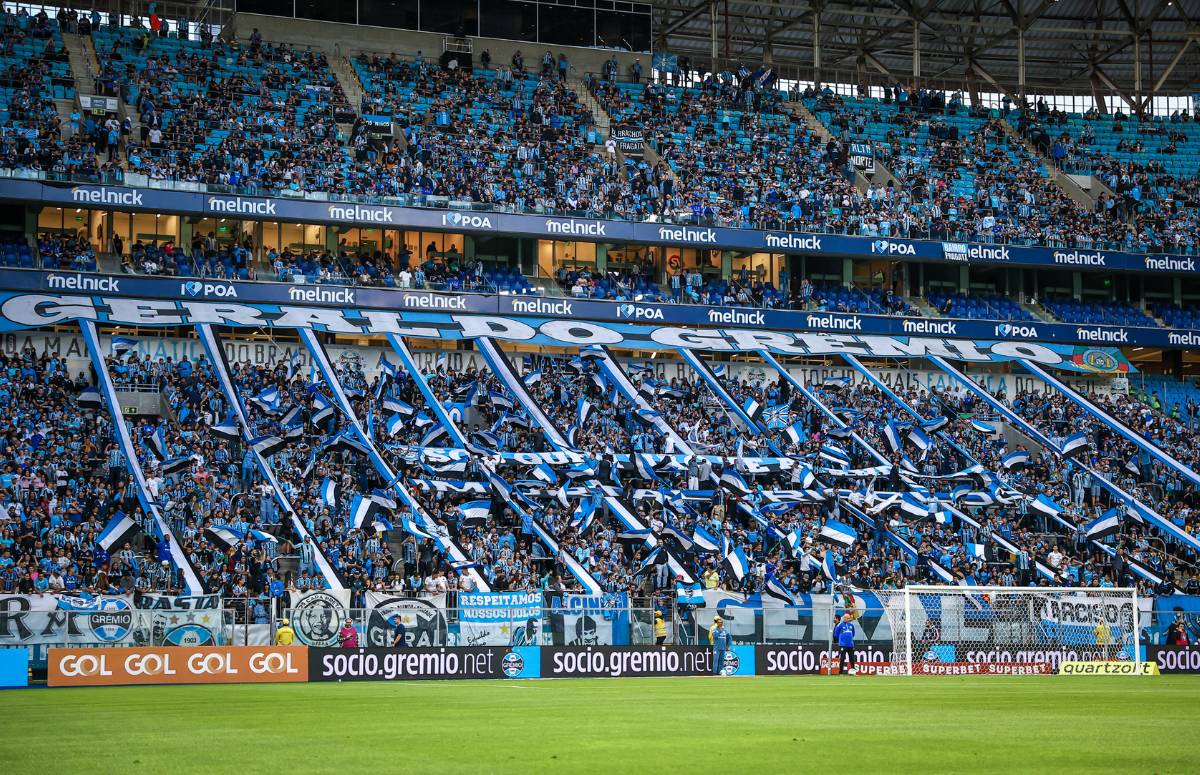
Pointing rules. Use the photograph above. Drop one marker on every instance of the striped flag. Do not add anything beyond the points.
(328, 492)
(89, 398)
(1105, 525)
(268, 445)
(774, 588)
(982, 427)
(736, 562)
(474, 512)
(396, 406)
(734, 482)
(123, 344)
(1046, 505)
(829, 566)
(1014, 459)
(1076, 444)
(794, 542)
(704, 540)
(120, 529)
(834, 532)
(936, 424)
(976, 551)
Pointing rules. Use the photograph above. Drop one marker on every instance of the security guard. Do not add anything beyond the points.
(284, 634)
(660, 629)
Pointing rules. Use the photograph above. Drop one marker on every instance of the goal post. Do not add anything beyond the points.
(1008, 630)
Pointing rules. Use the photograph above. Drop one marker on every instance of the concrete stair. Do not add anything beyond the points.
(1065, 182)
(1038, 312)
(882, 174)
(600, 116)
(84, 65)
(348, 80)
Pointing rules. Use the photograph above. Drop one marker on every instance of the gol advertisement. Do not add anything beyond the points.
(177, 665)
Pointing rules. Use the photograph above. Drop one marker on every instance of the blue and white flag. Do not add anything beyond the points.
(329, 492)
(734, 482)
(936, 424)
(268, 400)
(123, 344)
(179, 463)
(920, 439)
(829, 566)
(752, 408)
(1014, 459)
(689, 594)
(322, 409)
(982, 427)
(777, 416)
(704, 540)
(736, 562)
(834, 532)
(583, 408)
(835, 454)
(394, 424)
(120, 530)
(891, 434)
(89, 398)
(1046, 505)
(474, 512)
(396, 406)
(774, 588)
(796, 433)
(1107, 524)
(157, 443)
(532, 378)
(976, 551)
(268, 445)
(795, 542)
(1076, 444)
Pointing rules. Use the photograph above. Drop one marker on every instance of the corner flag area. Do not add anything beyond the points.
(797, 724)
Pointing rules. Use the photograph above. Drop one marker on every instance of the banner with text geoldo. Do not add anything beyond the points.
(177, 665)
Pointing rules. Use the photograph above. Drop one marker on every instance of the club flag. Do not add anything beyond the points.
(89, 398)
(583, 407)
(920, 439)
(752, 408)
(835, 382)
(322, 409)
(734, 482)
(545, 473)
(982, 427)
(777, 416)
(656, 557)
(689, 594)
(775, 588)
(433, 435)
(891, 434)
(736, 562)
(123, 344)
(1131, 465)
(829, 566)
(157, 442)
(1046, 505)
(796, 433)
(1107, 524)
(913, 506)
(268, 445)
(936, 424)
(180, 463)
(1014, 459)
(704, 540)
(474, 512)
(834, 532)
(329, 492)
(836, 455)
(976, 551)
(719, 369)
(440, 365)
(396, 406)
(1076, 444)
(532, 378)
(683, 538)
(795, 542)
(394, 424)
(387, 369)
(227, 535)
(120, 530)
(268, 399)
(293, 364)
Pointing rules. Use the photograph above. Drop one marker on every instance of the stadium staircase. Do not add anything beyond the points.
(599, 115)
(83, 67)
(1078, 194)
(351, 86)
(882, 174)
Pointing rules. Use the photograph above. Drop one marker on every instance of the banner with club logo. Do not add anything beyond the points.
(499, 618)
(65, 619)
(180, 620)
(424, 620)
(383, 664)
(317, 615)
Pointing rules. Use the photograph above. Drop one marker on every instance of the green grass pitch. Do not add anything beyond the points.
(699, 725)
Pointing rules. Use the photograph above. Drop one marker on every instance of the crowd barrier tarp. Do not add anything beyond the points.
(317, 615)
(424, 619)
(1175, 659)
(646, 661)
(60, 619)
(587, 620)
(123, 666)
(21, 311)
(408, 664)
(14, 668)
(763, 619)
(499, 618)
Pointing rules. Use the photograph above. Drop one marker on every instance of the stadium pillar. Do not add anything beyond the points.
(847, 272)
(1077, 285)
(187, 228)
(602, 257)
(816, 45)
(964, 279)
(712, 30)
(916, 53)
(1172, 363)
(1021, 63)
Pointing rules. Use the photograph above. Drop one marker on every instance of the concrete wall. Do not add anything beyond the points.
(349, 40)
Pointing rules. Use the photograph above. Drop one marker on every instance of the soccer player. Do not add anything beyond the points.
(721, 641)
(843, 634)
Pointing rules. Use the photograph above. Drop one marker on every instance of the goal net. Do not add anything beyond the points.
(1008, 630)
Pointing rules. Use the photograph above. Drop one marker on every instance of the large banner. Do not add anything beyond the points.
(180, 620)
(424, 619)
(622, 661)
(862, 157)
(758, 619)
(64, 619)
(499, 618)
(630, 140)
(386, 664)
(171, 665)
(588, 620)
(574, 323)
(316, 616)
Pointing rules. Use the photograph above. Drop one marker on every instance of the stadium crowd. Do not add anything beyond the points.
(64, 479)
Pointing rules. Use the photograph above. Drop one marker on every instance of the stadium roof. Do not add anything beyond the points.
(1070, 46)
